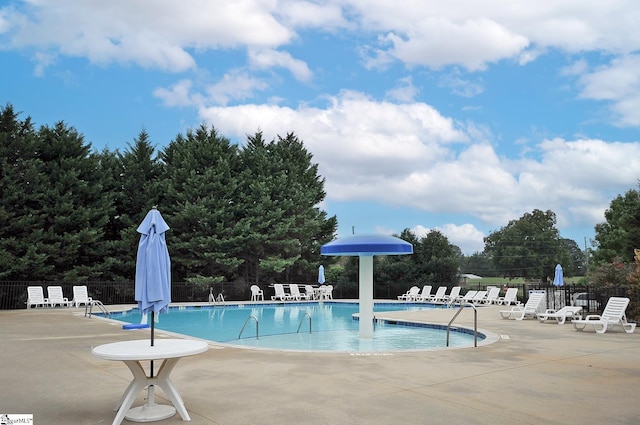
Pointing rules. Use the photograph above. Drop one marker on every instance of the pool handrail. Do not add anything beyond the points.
(475, 322)
(306, 313)
(245, 325)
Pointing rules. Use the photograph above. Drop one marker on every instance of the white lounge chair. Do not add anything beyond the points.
(453, 295)
(510, 296)
(560, 316)
(257, 294)
(295, 292)
(280, 294)
(438, 297)
(424, 294)
(35, 297)
(613, 315)
(466, 298)
(410, 295)
(56, 297)
(530, 309)
(492, 295)
(81, 296)
(480, 298)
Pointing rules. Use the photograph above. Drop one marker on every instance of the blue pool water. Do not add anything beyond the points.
(287, 327)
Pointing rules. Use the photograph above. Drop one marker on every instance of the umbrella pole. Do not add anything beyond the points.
(152, 335)
(151, 399)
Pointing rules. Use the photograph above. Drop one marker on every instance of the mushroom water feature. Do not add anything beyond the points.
(365, 247)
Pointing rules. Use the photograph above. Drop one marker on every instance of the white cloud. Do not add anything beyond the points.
(235, 85)
(460, 86)
(145, 32)
(570, 25)
(404, 91)
(578, 67)
(269, 58)
(404, 154)
(465, 236)
(307, 14)
(178, 95)
(619, 83)
(436, 42)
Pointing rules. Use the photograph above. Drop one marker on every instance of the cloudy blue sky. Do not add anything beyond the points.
(422, 114)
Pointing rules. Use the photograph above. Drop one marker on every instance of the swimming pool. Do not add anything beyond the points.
(286, 327)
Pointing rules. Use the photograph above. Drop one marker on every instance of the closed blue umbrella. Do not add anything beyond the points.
(321, 279)
(153, 293)
(153, 265)
(558, 279)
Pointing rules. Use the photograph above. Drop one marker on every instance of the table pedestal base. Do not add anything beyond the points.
(150, 411)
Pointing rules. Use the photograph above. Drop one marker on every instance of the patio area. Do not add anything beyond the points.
(535, 374)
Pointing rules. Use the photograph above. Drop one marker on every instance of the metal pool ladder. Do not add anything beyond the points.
(247, 322)
(88, 308)
(306, 314)
(475, 322)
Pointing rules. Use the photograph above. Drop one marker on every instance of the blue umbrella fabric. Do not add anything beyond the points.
(153, 277)
(153, 265)
(558, 279)
(321, 279)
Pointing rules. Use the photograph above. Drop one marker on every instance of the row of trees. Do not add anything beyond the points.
(69, 213)
(237, 214)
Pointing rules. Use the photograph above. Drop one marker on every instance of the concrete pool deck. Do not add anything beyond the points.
(534, 374)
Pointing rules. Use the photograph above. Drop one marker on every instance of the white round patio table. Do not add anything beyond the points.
(132, 353)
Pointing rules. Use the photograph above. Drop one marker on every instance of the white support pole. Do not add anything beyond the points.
(366, 296)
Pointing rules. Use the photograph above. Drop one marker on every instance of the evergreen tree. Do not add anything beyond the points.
(135, 183)
(199, 204)
(283, 226)
(74, 209)
(21, 183)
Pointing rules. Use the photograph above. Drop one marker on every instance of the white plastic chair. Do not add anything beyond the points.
(326, 292)
(257, 294)
(81, 296)
(424, 294)
(454, 295)
(439, 295)
(310, 292)
(530, 309)
(410, 295)
(295, 292)
(613, 315)
(56, 297)
(35, 297)
(280, 294)
(560, 316)
(510, 296)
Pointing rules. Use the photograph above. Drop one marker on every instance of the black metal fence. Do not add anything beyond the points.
(592, 300)
(13, 294)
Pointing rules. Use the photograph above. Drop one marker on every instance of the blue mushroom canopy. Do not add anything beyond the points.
(367, 245)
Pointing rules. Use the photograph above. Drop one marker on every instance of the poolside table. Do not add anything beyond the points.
(132, 353)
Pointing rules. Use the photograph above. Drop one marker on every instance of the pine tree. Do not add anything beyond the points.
(137, 188)
(199, 204)
(74, 209)
(21, 224)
